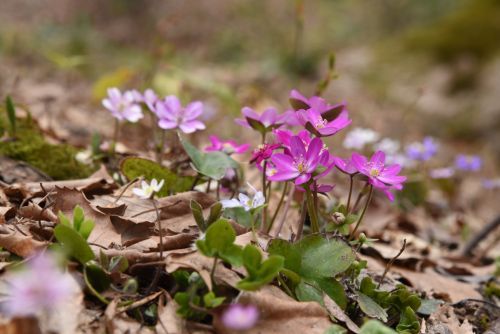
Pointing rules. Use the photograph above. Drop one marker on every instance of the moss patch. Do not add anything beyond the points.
(133, 167)
(57, 161)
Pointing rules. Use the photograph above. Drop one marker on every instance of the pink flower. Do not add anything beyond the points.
(173, 115)
(379, 175)
(226, 146)
(345, 165)
(300, 164)
(240, 317)
(122, 106)
(314, 122)
(285, 136)
(40, 286)
(263, 152)
(264, 122)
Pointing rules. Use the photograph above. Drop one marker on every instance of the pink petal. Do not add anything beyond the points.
(284, 176)
(302, 179)
(297, 147)
(283, 162)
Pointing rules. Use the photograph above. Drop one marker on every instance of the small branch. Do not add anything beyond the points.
(476, 240)
(125, 189)
(389, 264)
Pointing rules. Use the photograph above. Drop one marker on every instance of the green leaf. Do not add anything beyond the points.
(259, 274)
(219, 242)
(86, 228)
(252, 259)
(256, 125)
(78, 217)
(308, 293)
(118, 264)
(11, 114)
(211, 301)
(298, 104)
(371, 308)
(211, 164)
(64, 220)
(73, 243)
(408, 322)
(334, 290)
(239, 215)
(293, 259)
(336, 329)
(324, 258)
(197, 212)
(376, 327)
(215, 213)
(133, 167)
(97, 277)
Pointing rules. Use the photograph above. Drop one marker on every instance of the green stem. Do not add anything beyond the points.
(303, 216)
(160, 146)
(285, 286)
(285, 189)
(116, 132)
(91, 288)
(311, 209)
(350, 193)
(212, 272)
(370, 193)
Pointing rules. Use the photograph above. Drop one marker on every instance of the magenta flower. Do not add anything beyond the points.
(240, 317)
(314, 122)
(379, 175)
(285, 136)
(226, 146)
(300, 164)
(263, 152)
(299, 101)
(40, 286)
(173, 115)
(345, 165)
(122, 106)
(264, 122)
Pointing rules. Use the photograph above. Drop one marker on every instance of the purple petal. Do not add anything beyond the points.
(191, 126)
(166, 124)
(268, 117)
(283, 162)
(284, 176)
(297, 147)
(248, 112)
(302, 179)
(378, 158)
(193, 110)
(173, 104)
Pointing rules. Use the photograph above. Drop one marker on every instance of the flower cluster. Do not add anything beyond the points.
(39, 287)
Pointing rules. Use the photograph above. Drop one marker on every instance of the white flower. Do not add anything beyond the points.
(147, 190)
(244, 201)
(388, 146)
(442, 173)
(357, 138)
(85, 157)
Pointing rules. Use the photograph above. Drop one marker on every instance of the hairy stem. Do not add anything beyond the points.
(285, 189)
(370, 193)
(351, 182)
(311, 209)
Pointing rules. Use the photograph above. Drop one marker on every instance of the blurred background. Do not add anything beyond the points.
(406, 68)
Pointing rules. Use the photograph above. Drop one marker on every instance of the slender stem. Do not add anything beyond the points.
(158, 221)
(311, 209)
(209, 183)
(303, 217)
(116, 132)
(285, 188)
(360, 196)
(160, 146)
(389, 264)
(218, 190)
(196, 179)
(351, 182)
(91, 288)
(285, 286)
(285, 211)
(370, 193)
(264, 211)
(212, 272)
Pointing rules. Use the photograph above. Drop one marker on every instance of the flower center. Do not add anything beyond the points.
(321, 123)
(300, 165)
(374, 172)
(227, 148)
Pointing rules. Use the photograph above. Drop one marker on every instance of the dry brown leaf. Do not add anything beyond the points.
(6, 213)
(35, 212)
(120, 323)
(19, 244)
(280, 314)
(168, 320)
(445, 318)
(191, 259)
(336, 312)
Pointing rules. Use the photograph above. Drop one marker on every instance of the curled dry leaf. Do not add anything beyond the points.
(35, 212)
(19, 244)
(6, 213)
(280, 314)
(336, 312)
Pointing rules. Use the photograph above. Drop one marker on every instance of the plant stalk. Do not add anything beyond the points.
(368, 200)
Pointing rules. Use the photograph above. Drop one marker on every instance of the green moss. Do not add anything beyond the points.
(472, 30)
(57, 161)
(133, 167)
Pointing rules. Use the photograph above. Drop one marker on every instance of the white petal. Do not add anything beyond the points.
(230, 203)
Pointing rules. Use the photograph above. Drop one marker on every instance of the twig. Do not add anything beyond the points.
(150, 210)
(140, 302)
(125, 189)
(476, 240)
(389, 264)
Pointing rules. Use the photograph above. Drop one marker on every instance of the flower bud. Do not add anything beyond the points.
(338, 217)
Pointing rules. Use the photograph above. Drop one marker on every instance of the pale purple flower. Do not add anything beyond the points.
(149, 98)
(491, 183)
(314, 122)
(240, 317)
(268, 120)
(470, 163)
(442, 173)
(122, 106)
(39, 287)
(357, 138)
(422, 151)
(387, 145)
(173, 115)
(379, 175)
(226, 146)
(300, 164)
(315, 102)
